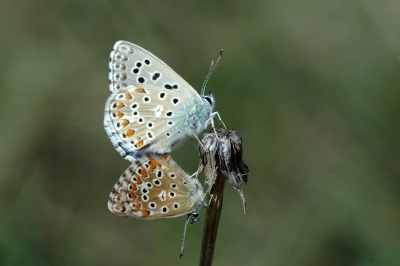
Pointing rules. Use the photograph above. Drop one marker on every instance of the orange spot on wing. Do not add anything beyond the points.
(143, 173)
(120, 114)
(165, 156)
(138, 180)
(125, 122)
(145, 213)
(128, 96)
(133, 187)
(153, 165)
(120, 105)
(140, 90)
(129, 133)
(139, 144)
(132, 196)
(137, 206)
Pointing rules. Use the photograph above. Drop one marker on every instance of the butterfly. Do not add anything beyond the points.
(156, 187)
(151, 108)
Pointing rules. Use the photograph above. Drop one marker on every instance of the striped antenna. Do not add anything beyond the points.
(213, 66)
(184, 234)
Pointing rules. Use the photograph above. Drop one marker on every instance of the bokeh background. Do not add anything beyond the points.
(312, 87)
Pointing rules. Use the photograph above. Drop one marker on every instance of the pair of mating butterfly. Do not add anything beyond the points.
(150, 110)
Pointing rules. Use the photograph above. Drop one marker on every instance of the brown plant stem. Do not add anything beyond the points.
(212, 220)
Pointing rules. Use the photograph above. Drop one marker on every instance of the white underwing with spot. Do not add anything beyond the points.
(151, 108)
(156, 187)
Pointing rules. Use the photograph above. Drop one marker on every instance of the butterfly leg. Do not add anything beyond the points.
(213, 127)
(211, 119)
(209, 200)
(212, 122)
(205, 195)
(200, 143)
(219, 118)
(195, 174)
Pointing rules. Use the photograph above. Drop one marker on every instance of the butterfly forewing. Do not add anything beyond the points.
(130, 64)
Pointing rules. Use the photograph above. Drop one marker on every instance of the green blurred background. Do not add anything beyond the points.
(312, 87)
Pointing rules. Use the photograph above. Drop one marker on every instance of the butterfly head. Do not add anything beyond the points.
(198, 202)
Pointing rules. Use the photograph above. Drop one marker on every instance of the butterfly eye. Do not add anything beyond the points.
(195, 217)
(208, 99)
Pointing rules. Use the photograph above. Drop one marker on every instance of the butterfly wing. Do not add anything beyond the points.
(130, 64)
(155, 188)
(151, 107)
(151, 120)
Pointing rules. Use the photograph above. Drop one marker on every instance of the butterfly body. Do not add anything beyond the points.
(151, 108)
(156, 187)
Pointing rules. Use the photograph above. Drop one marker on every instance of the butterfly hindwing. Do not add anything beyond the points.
(155, 188)
(146, 119)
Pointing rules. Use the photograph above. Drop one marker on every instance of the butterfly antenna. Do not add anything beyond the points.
(213, 66)
(184, 235)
